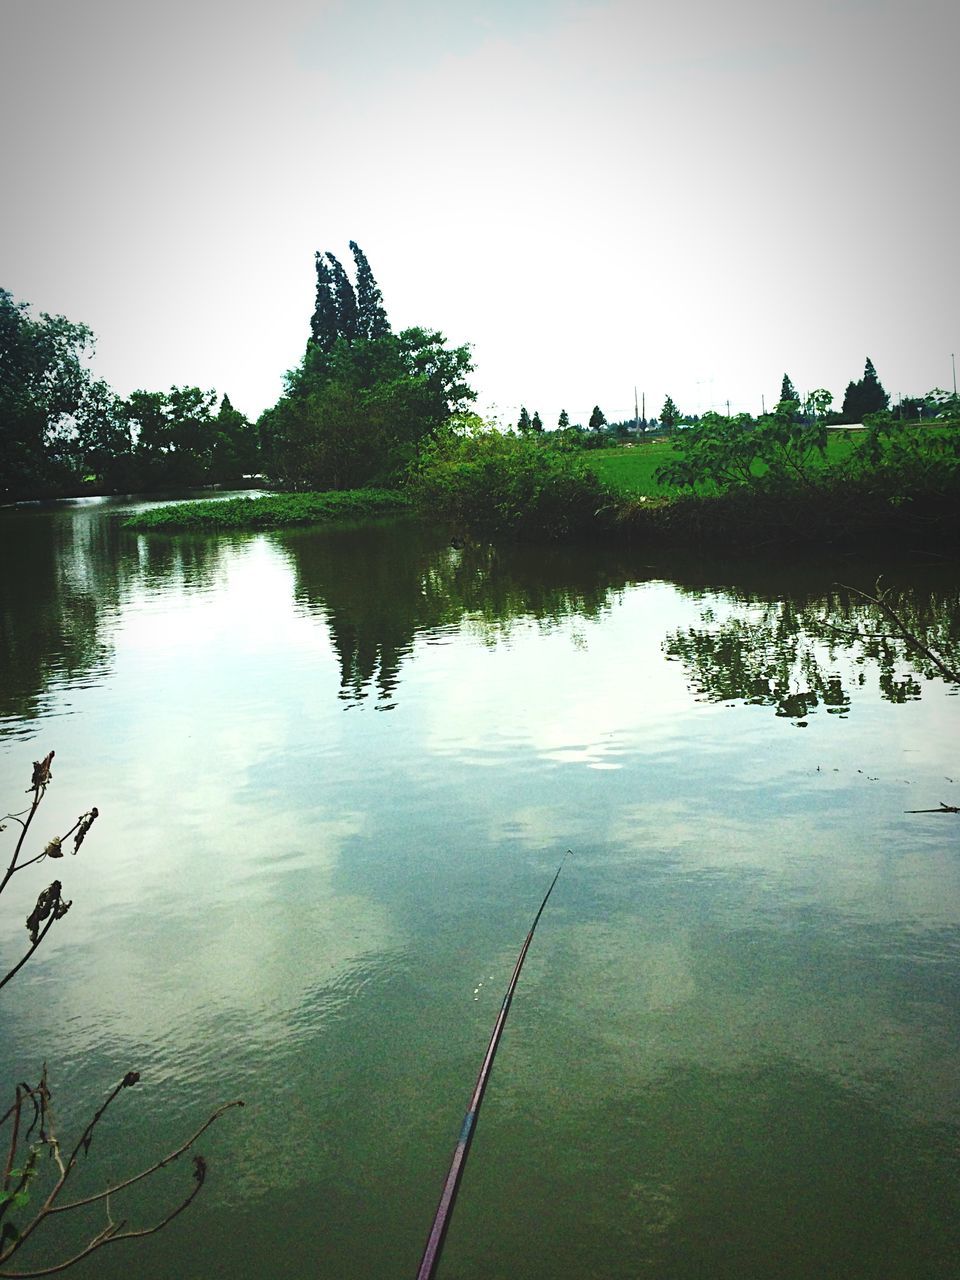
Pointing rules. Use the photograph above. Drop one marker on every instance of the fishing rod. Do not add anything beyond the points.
(438, 1232)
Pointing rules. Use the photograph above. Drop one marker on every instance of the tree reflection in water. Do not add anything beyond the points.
(66, 568)
(380, 587)
(812, 651)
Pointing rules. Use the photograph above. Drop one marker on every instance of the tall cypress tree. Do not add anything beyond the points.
(523, 424)
(344, 299)
(787, 390)
(850, 412)
(323, 323)
(536, 422)
(865, 396)
(872, 395)
(564, 420)
(372, 319)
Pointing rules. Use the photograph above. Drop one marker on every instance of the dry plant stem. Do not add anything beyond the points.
(944, 808)
(14, 1137)
(112, 1231)
(160, 1164)
(38, 792)
(51, 906)
(40, 937)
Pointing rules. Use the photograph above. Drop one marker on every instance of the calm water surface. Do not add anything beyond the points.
(336, 771)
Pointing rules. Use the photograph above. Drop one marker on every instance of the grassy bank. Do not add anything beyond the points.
(276, 511)
(891, 486)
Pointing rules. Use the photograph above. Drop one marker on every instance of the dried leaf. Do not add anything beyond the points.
(53, 849)
(41, 772)
(49, 903)
(86, 821)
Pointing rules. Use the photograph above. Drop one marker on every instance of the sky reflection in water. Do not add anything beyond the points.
(336, 771)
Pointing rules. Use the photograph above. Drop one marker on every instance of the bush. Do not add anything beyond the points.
(904, 461)
(723, 453)
(493, 483)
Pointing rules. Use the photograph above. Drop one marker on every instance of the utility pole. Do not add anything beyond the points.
(728, 408)
(636, 412)
(763, 405)
(953, 361)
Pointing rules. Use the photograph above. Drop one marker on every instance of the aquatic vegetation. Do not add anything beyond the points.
(274, 511)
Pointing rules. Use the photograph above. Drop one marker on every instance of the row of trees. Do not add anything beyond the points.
(354, 411)
(862, 399)
(60, 427)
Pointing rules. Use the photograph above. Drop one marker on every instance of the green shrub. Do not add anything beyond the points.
(893, 459)
(501, 484)
(722, 453)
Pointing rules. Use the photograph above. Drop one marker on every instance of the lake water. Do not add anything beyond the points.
(336, 771)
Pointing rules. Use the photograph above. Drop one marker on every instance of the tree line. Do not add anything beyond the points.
(354, 411)
(863, 399)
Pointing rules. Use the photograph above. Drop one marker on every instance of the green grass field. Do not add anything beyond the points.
(630, 469)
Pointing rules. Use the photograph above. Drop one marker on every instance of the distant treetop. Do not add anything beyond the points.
(342, 311)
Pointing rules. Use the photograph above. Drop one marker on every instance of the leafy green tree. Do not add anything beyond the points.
(536, 422)
(937, 404)
(787, 390)
(360, 413)
(669, 414)
(235, 451)
(523, 422)
(345, 300)
(372, 319)
(597, 419)
(173, 433)
(104, 444)
(564, 420)
(44, 380)
(818, 403)
(323, 323)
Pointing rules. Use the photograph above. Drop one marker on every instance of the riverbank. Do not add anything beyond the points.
(829, 516)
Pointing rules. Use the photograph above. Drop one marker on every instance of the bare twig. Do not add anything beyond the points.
(944, 808)
(51, 905)
(18, 1172)
(112, 1231)
(160, 1164)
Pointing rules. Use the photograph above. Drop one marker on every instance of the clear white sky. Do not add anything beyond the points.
(687, 195)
